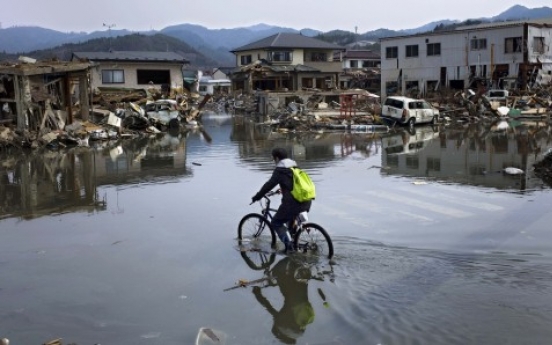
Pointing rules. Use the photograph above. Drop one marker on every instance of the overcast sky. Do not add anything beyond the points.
(323, 15)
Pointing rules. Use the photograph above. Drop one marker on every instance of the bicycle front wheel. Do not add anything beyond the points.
(256, 230)
(314, 240)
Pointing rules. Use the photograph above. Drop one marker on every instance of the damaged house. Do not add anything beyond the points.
(286, 62)
(505, 55)
(35, 95)
(134, 69)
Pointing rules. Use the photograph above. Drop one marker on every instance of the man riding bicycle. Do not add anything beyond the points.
(289, 207)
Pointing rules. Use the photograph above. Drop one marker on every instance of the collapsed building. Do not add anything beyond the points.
(35, 95)
(43, 102)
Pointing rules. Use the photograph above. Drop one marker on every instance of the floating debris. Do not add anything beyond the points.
(210, 336)
(513, 171)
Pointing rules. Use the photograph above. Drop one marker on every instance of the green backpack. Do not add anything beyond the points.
(303, 187)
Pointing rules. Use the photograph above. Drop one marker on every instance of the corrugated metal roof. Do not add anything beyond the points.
(131, 56)
(288, 40)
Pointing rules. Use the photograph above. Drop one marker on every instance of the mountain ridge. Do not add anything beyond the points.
(217, 43)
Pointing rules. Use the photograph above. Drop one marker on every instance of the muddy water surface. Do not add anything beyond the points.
(134, 242)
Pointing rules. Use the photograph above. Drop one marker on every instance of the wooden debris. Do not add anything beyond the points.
(54, 342)
(244, 283)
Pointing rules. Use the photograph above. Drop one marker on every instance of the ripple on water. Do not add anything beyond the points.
(397, 295)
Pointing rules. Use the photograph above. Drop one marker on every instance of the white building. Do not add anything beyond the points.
(512, 54)
(208, 85)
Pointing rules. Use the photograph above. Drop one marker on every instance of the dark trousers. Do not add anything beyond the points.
(285, 215)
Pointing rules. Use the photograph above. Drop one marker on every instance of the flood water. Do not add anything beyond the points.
(134, 242)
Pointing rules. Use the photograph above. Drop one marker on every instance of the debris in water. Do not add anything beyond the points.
(513, 171)
(210, 336)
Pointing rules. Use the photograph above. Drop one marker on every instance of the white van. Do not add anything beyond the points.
(408, 111)
(408, 142)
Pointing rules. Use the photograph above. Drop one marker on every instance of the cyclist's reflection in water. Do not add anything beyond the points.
(291, 320)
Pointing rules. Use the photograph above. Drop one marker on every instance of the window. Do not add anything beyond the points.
(317, 56)
(538, 45)
(512, 45)
(144, 76)
(113, 76)
(391, 52)
(368, 63)
(433, 164)
(478, 44)
(354, 63)
(412, 51)
(412, 162)
(280, 56)
(433, 49)
(245, 59)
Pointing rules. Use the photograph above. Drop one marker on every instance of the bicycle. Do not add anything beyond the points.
(308, 238)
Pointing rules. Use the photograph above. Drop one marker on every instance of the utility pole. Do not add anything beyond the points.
(109, 26)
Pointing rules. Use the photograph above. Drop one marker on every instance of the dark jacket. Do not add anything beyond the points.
(282, 176)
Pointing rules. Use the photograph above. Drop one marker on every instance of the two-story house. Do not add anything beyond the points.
(134, 69)
(286, 61)
(361, 69)
(507, 54)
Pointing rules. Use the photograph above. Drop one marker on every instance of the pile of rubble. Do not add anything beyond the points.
(117, 113)
(321, 111)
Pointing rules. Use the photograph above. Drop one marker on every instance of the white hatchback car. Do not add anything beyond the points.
(408, 111)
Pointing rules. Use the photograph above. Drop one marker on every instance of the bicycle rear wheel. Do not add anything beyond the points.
(314, 240)
(255, 229)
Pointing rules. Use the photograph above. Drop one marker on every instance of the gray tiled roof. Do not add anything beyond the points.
(293, 68)
(136, 56)
(290, 41)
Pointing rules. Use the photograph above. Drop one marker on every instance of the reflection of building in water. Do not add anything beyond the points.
(472, 156)
(309, 149)
(143, 160)
(32, 186)
(67, 181)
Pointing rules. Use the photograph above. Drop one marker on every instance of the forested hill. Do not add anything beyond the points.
(134, 42)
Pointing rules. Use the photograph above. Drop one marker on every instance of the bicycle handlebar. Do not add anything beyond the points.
(269, 194)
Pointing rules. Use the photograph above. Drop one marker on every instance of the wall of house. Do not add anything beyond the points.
(130, 74)
(255, 55)
(218, 74)
(346, 64)
(545, 57)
